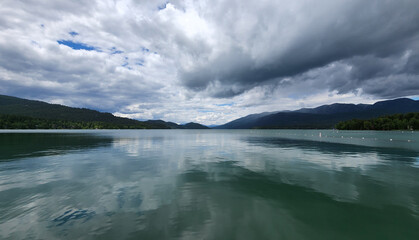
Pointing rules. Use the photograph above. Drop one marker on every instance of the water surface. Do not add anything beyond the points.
(209, 184)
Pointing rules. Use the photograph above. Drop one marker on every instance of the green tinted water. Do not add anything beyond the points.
(209, 184)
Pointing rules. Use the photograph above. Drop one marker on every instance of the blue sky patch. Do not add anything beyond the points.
(162, 6)
(115, 51)
(140, 62)
(205, 111)
(126, 65)
(72, 33)
(76, 45)
(224, 104)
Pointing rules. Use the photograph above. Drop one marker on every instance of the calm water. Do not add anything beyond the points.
(209, 184)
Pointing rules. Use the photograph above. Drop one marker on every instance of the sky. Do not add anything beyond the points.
(208, 61)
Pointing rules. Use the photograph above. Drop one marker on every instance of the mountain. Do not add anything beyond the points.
(172, 125)
(163, 125)
(46, 114)
(326, 116)
(193, 125)
(245, 122)
(37, 109)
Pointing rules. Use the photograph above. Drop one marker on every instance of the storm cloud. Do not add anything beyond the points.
(208, 61)
(272, 40)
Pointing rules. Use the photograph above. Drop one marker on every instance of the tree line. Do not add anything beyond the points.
(408, 121)
(23, 122)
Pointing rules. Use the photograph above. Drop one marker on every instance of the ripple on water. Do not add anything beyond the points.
(72, 215)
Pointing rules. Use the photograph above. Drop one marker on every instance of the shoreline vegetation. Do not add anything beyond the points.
(408, 121)
(24, 122)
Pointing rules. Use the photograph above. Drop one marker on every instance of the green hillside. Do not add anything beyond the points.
(409, 121)
(18, 113)
(22, 122)
(37, 109)
(326, 116)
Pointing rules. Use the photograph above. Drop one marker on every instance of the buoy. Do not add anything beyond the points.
(391, 139)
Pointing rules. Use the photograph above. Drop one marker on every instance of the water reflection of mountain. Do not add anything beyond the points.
(21, 145)
(372, 176)
(334, 148)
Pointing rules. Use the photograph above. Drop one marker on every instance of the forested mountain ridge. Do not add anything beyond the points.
(29, 114)
(408, 121)
(18, 113)
(37, 109)
(326, 116)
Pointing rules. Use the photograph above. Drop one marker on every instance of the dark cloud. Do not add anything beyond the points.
(388, 77)
(412, 65)
(366, 34)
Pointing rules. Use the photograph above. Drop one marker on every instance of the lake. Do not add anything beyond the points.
(209, 184)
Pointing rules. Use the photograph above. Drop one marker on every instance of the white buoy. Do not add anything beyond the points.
(391, 139)
(362, 137)
(320, 134)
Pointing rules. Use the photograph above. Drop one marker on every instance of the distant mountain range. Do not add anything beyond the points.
(326, 116)
(13, 106)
